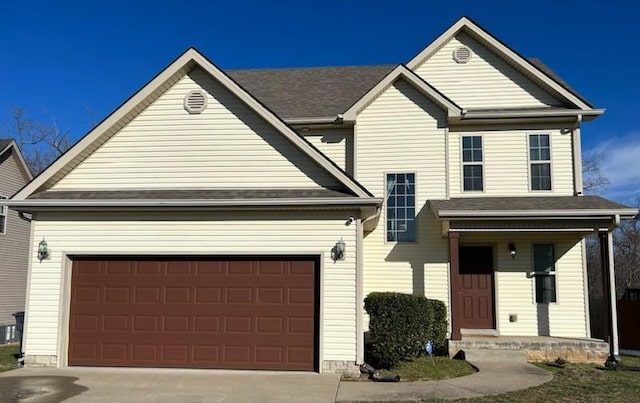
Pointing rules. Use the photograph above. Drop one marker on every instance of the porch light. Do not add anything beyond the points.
(43, 250)
(338, 251)
(512, 250)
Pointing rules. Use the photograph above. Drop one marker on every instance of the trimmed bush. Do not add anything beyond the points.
(401, 324)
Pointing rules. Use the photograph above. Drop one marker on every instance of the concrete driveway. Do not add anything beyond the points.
(112, 385)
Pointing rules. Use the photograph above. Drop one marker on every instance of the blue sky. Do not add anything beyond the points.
(73, 62)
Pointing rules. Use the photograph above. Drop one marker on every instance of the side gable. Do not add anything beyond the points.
(494, 77)
(14, 172)
(244, 111)
(226, 146)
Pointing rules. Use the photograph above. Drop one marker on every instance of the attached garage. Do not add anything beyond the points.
(247, 312)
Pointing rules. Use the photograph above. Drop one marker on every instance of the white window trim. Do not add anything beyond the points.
(415, 201)
(553, 272)
(530, 162)
(462, 165)
(4, 212)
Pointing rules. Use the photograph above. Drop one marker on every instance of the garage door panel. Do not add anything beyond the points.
(201, 313)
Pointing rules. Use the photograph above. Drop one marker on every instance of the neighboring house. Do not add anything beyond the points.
(238, 219)
(14, 240)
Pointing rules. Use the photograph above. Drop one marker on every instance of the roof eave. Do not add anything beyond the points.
(66, 204)
(528, 214)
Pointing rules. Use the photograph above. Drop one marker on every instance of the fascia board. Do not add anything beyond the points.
(488, 214)
(465, 23)
(52, 203)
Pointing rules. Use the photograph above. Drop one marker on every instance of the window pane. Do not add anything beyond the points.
(533, 141)
(543, 259)
(477, 155)
(477, 142)
(545, 288)
(466, 142)
(472, 180)
(400, 207)
(544, 140)
(545, 154)
(541, 176)
(535, 154)
(466, 156)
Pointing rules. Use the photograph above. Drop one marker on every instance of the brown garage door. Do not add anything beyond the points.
(240, 313)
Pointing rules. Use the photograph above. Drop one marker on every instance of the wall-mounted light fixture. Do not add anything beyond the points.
(512, 250)
(338, 250)
(43, 250)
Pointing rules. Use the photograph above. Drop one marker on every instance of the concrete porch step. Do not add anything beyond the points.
(533, 348)
(479, 355)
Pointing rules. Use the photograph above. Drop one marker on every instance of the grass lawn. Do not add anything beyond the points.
(7, 361)
(578, 383)
(423, 369)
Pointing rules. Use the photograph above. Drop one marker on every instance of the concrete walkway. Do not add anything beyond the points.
(498, 372)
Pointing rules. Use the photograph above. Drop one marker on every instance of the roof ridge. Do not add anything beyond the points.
(352, 66)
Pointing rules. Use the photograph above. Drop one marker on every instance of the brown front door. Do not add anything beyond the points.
(195, 312)
(476, 287)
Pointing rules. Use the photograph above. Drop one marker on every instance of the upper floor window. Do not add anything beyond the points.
(472, 178)
(544, 269)
(3, 216)
(540, 158)
(401, 207)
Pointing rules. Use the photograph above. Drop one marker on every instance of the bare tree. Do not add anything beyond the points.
(39, 143)
(592, 177)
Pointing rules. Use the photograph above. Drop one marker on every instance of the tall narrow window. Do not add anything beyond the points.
(545, 272)
(540, 157)
(3, 216)
(401, 207)
(472, 178)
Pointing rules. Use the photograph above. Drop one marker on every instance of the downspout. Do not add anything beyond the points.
(446, 162)
(27, 219)
(577, 157)
(359, 293)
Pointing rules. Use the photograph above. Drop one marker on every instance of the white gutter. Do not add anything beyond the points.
(192, 202)
(467, 114)
(534, 213)
(313, 120)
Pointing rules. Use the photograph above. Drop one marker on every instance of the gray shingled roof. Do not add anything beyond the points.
(537, 203)
(191, 194)
(326, 91)
(4, 143)
(311, 91)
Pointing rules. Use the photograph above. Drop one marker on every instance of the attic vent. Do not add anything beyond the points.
(462, 54)
(195, 102)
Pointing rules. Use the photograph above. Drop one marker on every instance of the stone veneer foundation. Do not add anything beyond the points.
(539, 348)
(345, 368)
(40, 361)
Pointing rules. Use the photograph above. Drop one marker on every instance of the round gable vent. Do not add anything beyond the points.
(462, 54)
(195, 101)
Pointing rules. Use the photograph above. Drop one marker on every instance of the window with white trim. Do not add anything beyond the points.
(401, 207)
(3, 216)
(472, 171)
(544, 269)
(540, 158)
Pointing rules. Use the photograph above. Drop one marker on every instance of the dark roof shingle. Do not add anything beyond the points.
(4, 143)
(310, 91)
(537, 203)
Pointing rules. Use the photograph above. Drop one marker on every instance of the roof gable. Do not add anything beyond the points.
(10, 146)
(532, 71)
(151, 92)
(402, 72)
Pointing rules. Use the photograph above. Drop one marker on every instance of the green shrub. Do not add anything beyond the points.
(401, 324)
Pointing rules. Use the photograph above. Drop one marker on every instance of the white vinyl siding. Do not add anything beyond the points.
(485, 81)
(515, 285)
(401, 131)
(196, 233)
(337, 144)
(226, 146)
(507, 166)
(14, 244)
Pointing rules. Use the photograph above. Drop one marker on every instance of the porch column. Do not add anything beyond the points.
(454, 278)
(610, 316)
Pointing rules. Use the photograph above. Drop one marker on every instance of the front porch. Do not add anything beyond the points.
(537, 348)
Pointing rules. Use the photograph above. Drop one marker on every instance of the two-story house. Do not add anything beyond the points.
(237, 219)
(14, 240)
